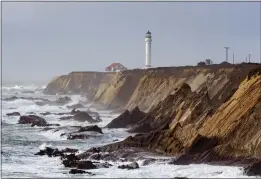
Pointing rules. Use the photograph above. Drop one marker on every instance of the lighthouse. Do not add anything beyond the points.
(148, 50)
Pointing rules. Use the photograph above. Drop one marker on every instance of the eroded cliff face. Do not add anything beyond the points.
(201, 128)
(204, 114)
(78, 83)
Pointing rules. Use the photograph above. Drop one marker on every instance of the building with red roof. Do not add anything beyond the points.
(115, 67)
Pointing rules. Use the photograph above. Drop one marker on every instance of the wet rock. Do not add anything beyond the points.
(50, 152)
(63, 100)
(127, 118)
(53, 125)
(74, 111)
(85, 165)
(83, 117)
(77, 171)
(94, 150)
(66, 117)
(94, 128)
(13, 114)
(98, 119)
(69, 150)
(133, 165)
(253, 169)
(70, 157)
(74, 106)
(46, 113)
(148, 161)
(33, 120)
(77, 136)
(47, 128)
(103, 165)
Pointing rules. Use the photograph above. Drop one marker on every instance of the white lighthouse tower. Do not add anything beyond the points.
(148, 50)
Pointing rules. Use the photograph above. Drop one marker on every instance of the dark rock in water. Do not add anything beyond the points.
(70, 157)
(115, 140)
(63, 100)
(69, 150)
(27, 92)
(46, 113)
(66, 118)
(103, 165)
(77, 171)
(54, 152)
(253, 169)
(94, 150)
(52, 124)
(77, 136)
(85, 165)
(98, 119)
(148, 161)
(33, 120)
(74, 111)
(133, 165)
(13, 114)
(94, 128)
(83, 116)
(74, 106)
(180, 177)
(127, 118)
(50, 152)
(31, 113)
(47, 128)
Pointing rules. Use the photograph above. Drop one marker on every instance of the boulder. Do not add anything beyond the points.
(77, 171)
(50, 152)
(94, 128)
(78, 136)
(94, 150)
(253, 169)
(83, 117)
(66, 117)
(63, 100)
(85, 165)
(131, 166)
(148, 161)
(74, 111)
(13, 114)
(127, 118)
(33, 120)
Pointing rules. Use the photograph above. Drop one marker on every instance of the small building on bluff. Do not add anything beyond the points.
(115, 67)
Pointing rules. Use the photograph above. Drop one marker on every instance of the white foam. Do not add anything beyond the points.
(44, 146)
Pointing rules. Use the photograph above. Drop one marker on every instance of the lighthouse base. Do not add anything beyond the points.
(147, 66)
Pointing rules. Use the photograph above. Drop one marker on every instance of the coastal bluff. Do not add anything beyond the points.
(202, 114)
(146, 88)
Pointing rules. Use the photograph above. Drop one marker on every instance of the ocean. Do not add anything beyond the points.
(20, 142)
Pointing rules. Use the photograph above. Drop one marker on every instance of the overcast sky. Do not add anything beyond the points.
(46, 39)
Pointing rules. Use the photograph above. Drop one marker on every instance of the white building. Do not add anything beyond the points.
(148, 50)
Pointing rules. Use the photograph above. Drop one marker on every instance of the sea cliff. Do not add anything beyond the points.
(202, 114)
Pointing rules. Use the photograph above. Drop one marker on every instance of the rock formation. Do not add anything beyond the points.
(203, 114)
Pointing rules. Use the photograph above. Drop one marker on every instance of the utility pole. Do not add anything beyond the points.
(233, 58)
(226, 53)
(249, 57)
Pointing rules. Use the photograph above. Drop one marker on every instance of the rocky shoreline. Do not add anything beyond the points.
(215, 119)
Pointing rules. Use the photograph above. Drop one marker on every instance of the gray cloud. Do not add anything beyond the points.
(41, 40)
